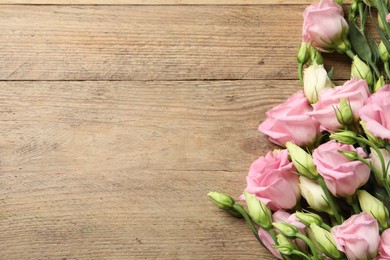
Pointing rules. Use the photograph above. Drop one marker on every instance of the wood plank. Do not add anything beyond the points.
(160, 2)
(151, 42)
(96, 170)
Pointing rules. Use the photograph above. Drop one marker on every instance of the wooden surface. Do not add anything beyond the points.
(116, 120)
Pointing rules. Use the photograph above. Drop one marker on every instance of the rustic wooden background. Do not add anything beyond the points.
(117, 117)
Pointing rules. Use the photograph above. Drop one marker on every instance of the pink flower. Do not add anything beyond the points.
(376, 113)
(272, 180)
(384, 245)
(268, 242)
(388, 18)
(289, 122)
(356, 93)
(324, 26)
(342, 177)
(358, 237)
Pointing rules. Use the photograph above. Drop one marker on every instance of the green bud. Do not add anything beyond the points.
(314, 195)
(315, 56)
(353, 10)
(303, 52)
(309, 218)
(379, 84)
(285, 229)
(284, 241)
(284, 249)
(222, 200)
(344, 112)
(258, 211)
(376, 140)
(345, 137)
(361, 70)
(351, 155)
(324, 241)
(302, 161)
(374, 207)
(383, 53)
(340, 2)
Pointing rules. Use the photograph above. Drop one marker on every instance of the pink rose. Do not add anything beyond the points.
(324, 26)
(272, 180)
(384, 245)
(289, 122)
(356, 93)
(358, 237)
(342, 176)
(376, 113)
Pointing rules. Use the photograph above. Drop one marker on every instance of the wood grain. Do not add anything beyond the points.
(151, 42)
(161, 2)
(120, 170)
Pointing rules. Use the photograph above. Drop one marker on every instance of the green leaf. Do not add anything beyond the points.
(330, 74)
(373, 47)
(359, 42)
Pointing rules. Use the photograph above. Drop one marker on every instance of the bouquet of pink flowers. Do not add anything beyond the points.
(326, 194)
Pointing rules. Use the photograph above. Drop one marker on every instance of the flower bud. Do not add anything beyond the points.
(222, 200)
(284, 249)
(376, 163)
(361, 70)
(374, 207)
(345, 137)
(315, 56)
(383, 53)
(344, 112)
(315, 79)
(379, 84)
(314, 195)
(376, 140)
(258, 211)
(302, 161)
(351, 155)
(309, 218)
(303, 52)
(340, 2)
(324, 241)
(284, 241)
(286, 229)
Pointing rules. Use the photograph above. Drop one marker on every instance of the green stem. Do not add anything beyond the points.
(299, 253)
(273, 235)
(243, 213)
(377, 173)
(376, 70)
(326, 227)
(361, 14)
(310, 244)
(300, 72)
(355, 206)
(329, 197)
(350, 54)
(382, 10)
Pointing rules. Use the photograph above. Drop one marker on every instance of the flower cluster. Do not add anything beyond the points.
(325, 194)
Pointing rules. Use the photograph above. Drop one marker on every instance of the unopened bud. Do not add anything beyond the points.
(222, 200)
(315, 56)
(309, 218)
(379, 84)
(315, 79)
(374, 207)
(258, 211)
(314, 195)
(383, 53)
(303, 52)
(324, 241)
(361, 70)
(345, 137)
(350, 155)
(302, 161)
(286, 229)
(344, 112)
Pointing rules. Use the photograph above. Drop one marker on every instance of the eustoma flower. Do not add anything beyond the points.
(358, 237)
(354, 91)
(342, 176)
(272, 180)
(376, 113)
(324, 27)
(289, 121)
(384, 245)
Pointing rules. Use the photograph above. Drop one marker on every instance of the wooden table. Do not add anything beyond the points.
(117, 118)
